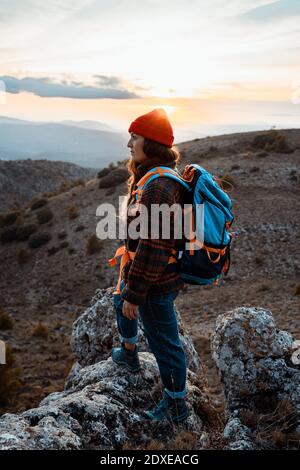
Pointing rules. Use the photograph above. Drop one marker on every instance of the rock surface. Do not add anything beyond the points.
(95, 333)
(102, 406)
(259, 375)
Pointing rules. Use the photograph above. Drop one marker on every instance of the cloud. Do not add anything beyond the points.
(277, 10)
(112, 88)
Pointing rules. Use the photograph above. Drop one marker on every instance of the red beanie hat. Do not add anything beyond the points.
(155, 126)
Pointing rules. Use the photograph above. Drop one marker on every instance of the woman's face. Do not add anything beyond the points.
(136, 143)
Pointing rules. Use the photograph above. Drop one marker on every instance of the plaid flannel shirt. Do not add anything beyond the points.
(149, 272)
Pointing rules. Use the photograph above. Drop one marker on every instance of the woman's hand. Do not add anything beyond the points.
(130, 311)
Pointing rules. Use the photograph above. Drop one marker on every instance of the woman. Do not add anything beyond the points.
(150, 282)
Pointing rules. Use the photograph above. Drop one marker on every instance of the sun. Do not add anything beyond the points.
(167, 108)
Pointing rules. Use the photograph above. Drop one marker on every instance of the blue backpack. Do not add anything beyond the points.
(206, 264)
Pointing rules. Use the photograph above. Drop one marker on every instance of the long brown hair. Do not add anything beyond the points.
(157, 154)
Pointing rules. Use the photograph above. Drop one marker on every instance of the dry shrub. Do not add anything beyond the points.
(115, 177)
(38, 203)
(64, 244)
(94, 245)
(38, 239)
(9, 378)
(271, 141)
(73, 212)
(67, 185)
(44, 215)
(6, 321)
(41, 331)
(22, 256)
(297, 289)
(8, 234)
(79, 228)
(274, 427)
(185, 440)
(52, 250)
(24, 231)
(103, 172)
(10, 218)
(62, 235)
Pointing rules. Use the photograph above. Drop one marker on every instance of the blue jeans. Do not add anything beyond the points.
(159, 323)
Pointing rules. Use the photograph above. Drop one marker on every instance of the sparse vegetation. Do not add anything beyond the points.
(52, 250)
(6, 321)
(10, 218)
(271, 141)
(38, 239)
(41, 331)
(115, 177)
(24, 231)
(254, 169)
(297, 289)
(79, 228)
(94, 245)
(38, 203)
(22, 256)
(9, 234)
(62, 235)
(103, 172)
(44, 215)
(9, 378)
(274, 427)
(73, 212)
(258, 260)
(236, 166)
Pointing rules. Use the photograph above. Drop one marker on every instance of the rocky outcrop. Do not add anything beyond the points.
(95, 333)
(261, 379)
(102, 406)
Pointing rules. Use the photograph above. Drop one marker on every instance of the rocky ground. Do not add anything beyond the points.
(21, 180)
(103, 405)
(58, 279)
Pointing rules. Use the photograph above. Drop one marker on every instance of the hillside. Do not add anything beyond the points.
(21, 180)
(87, 147)
(54, 283)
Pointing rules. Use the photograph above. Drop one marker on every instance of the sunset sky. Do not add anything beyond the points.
(213, 64)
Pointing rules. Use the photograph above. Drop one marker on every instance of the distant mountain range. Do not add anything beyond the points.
(89, 144)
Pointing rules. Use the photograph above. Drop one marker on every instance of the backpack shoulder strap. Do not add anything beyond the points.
(157, 172)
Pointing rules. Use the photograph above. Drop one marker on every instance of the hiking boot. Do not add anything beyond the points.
(173, 410)
(126, 357)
